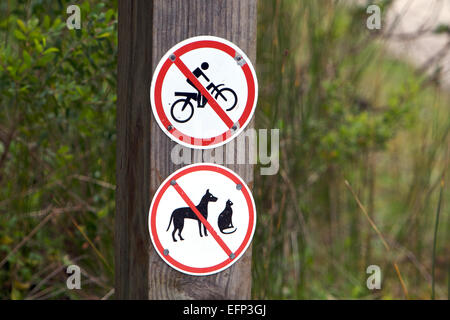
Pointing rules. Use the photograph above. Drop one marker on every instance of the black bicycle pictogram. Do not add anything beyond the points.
(182, 110)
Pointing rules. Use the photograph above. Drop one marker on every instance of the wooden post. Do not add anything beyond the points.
(147, 29)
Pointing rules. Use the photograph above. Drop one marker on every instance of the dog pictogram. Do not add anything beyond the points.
(178, 216)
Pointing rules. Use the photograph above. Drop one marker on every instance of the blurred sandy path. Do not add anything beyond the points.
(407, 17)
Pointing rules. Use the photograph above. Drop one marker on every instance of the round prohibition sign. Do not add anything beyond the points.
(204, 92)
(202, 219)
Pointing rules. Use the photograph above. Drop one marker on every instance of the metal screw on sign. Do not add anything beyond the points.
(172, 57)
(166, 252)
(232, 256)
(239, 59)
(173, 182)
(169, 127)
(239, 186)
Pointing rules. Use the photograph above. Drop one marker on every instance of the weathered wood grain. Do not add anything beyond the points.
(147, 29)
(133, 149)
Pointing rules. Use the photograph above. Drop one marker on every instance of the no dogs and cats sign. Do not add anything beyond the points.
(202, 219)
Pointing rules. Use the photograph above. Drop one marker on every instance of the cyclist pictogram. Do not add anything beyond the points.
(182, 109)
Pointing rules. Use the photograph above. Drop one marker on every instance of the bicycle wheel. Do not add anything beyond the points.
(180, 113)
(226, 98)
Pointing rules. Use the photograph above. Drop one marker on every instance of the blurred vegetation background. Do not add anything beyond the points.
(363, 156)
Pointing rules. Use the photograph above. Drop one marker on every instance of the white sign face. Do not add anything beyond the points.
(202, 219)
(204, 92)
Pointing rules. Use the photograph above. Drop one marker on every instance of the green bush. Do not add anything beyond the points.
(57, 130)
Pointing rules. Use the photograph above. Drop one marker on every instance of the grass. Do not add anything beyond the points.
(346, 110)
(433, 267)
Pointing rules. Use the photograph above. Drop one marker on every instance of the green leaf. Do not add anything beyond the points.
(46, 22)
(12, 70)
(39, 47)
(45, 59)
(19, 35)
(442, 28)
(24, 89)
(4, 23)
(63, 150)
(57, 23)
(109, 14)
(103, 35)
(51, 50)
(15, 294)
(21, 25)
(26, 58)
(102, 213)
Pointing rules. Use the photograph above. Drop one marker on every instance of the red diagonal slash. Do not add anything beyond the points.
(202, 219)
(212, 102)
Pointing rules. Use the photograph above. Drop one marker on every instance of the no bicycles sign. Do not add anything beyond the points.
(204, 92)
(202, 219)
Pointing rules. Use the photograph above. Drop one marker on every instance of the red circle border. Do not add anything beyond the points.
(158, 88)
